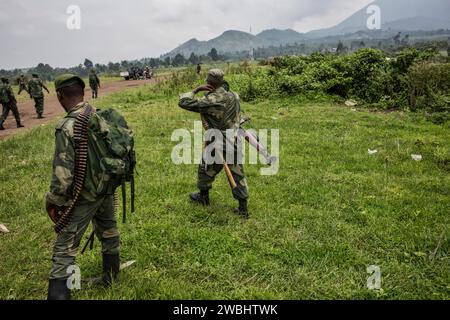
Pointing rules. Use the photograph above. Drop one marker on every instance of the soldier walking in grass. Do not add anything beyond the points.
(9, 103)
(22, 82)
(220, 110)
(85, 178)
(35, 86)
(94, 83)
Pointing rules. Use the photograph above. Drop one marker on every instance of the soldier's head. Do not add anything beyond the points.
(215, 78)
(4, 80)
(70, 90)
(35, 75)
(92, 70)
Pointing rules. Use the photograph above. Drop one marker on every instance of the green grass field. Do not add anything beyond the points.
(332, 211)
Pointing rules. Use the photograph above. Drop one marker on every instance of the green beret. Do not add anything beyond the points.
(67, 80)
(4, 79)
(215, 76)
(35, 75)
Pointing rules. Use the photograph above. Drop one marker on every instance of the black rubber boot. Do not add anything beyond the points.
(202, 197)
(111, 268)
(19, 125)
(57, 290)
(40, 116)
(243, 210)
(2, 127)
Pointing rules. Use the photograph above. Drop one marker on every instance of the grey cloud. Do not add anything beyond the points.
(35, 31)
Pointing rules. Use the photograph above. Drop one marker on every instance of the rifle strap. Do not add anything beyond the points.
(124, 201)
(81, 161)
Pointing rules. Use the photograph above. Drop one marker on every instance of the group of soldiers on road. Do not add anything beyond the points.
(35, 88)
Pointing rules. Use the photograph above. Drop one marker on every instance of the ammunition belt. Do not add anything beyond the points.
(80, 131)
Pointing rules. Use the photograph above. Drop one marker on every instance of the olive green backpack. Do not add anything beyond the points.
(112, 159)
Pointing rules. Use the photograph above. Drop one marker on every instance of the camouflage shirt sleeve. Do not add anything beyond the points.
(43, 85)
(202, 105)
(61, 185)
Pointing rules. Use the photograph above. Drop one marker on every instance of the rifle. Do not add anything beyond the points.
(230, 177)
(255, 142)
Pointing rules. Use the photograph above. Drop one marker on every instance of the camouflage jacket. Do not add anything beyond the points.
(94, 80)
(61, 186)
(220, 109)
(6, 93)
(35, 88)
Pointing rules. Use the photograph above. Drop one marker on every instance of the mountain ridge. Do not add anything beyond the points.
(399, 15)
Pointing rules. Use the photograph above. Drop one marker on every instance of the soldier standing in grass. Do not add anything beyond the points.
(35, 86)
(9, 103)
(94, 83)
(89, 207)
(22, 84)
(220, 110)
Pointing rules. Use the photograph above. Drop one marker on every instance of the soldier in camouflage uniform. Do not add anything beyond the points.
(22, 84)
(220, 110)
(35, 86)
(9, 103)
(99, 210)
(94, 83)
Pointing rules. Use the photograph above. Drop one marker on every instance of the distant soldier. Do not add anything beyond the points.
(199, 68)
(219, 110)
(22, 82)
(93, 206)
(35, 86)
(94, 83)
(9, 103)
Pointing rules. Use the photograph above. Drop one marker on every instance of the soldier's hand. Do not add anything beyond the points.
(53, 212)
(207, 87)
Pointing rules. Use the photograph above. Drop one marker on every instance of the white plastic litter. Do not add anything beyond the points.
(3, 228)
(416, 157)
(372, 152)
(127, 264)
(351, 103)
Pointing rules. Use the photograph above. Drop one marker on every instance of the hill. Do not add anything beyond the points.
(400, 15)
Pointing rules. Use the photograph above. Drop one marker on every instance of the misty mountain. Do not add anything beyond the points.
(396, 15)
(400, 15)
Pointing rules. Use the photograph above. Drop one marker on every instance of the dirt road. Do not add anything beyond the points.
(52, 108)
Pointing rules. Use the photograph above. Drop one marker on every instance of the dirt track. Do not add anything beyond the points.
(52, 108)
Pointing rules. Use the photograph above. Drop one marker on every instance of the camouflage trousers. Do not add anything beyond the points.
(94, 89)
(39, 105)
(22, 88)
(7, 107)
(101, 213)
(207, 175)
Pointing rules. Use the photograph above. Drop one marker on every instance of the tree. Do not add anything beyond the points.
(179, 60)
(193, 58)
(340, 48)
(88, 63)
(214, 55)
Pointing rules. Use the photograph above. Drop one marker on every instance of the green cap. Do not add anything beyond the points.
(215, 76)
(67, 80)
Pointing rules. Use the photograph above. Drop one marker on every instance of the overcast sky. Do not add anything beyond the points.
(34, 31)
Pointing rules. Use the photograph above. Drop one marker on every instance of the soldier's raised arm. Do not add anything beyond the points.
(189, 102)
(63, 169)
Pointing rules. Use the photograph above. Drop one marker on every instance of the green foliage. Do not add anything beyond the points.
(412, 80)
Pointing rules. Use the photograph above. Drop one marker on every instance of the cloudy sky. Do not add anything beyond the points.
(111, 30)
